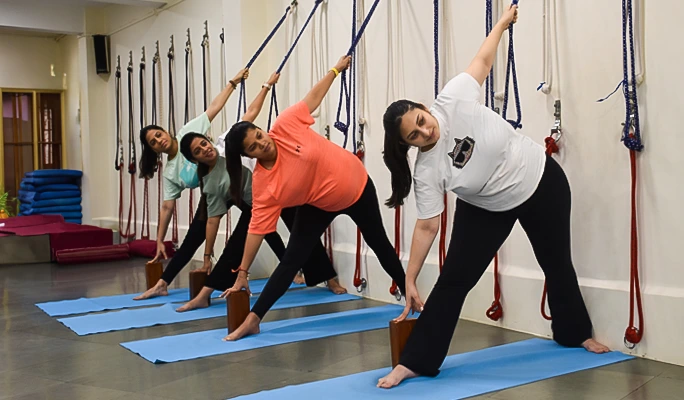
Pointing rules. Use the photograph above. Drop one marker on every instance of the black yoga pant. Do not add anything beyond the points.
(310, 223)
(476, 237)
(317, 268)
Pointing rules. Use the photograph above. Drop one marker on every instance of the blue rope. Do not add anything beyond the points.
(510, 70)
(347, 88)
(274, 100)
(242, 99)
(632, 142)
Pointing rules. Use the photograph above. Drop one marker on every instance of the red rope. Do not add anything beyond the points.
(397, 243)
(191, 206)
(495, 312)
(633, 334)
(357, 271)
(160, 166)
(145, 224)
(551, 148)
(543, 305)
(358, 282)
(442, 235)
(127, 234)
(551, 145)
(328, 242)
(228, 225)
(174, 231)
(132, 206)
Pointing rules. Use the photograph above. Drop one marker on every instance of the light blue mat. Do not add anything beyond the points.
(166, 314)
(209, 343)
(117, 302)
(462, 375)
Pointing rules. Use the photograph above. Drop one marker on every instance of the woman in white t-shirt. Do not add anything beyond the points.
(500, 177)
(179, 174)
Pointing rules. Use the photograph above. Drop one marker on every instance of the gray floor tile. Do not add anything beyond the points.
(13, 384)
(586, 385)
(134, 374)
(659, 389)
(68, 391)
(224, 382)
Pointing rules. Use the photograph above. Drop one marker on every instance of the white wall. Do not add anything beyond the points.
(26, 62)
(596, 162)
(70, 77)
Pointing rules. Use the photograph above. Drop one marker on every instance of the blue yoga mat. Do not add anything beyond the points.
(86, 305)
(208, 343)
(462, 375)
(166, 314)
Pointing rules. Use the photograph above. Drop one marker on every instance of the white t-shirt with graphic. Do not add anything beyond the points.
(479, 156)
(179, 173)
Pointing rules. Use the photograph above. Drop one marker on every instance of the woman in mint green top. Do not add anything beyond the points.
(215, 186)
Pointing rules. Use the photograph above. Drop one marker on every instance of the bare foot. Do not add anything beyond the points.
(299, 279)
(160, 289)
(398, 374)
(335, 287)
(249, 327)
(197, 302)
(595, 347)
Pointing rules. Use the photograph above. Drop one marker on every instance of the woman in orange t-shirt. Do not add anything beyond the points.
(298, 167)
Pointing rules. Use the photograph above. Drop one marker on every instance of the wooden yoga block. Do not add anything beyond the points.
(153, 273)
(197, 281)
(399, 334)
(238, 309)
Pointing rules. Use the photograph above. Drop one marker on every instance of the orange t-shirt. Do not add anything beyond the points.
(309, 170)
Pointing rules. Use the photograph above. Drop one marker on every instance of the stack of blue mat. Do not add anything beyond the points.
(51, 192)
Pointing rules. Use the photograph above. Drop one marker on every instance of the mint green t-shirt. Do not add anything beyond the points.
(217, 188)
(179, 173)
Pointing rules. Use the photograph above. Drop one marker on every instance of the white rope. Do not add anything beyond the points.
(317, 61)
(361, 72)
(499, 70)
(160, 92)
(210, 133)
(639, 40)
(224, 116)
(550, 49)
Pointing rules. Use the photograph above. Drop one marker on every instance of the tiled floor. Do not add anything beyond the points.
(41, 359)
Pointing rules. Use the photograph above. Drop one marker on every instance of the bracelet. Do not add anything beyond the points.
(333, 69)
(266, 85)
(208, 255)
(240, 270)
(233, 84)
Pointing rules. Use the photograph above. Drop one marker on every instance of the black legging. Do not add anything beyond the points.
(476, 237)
(309, 225)
(318, 268)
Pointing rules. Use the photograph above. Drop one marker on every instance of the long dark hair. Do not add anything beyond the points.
(235, 149)
(396, 150)
(148, 157)
(202, 169)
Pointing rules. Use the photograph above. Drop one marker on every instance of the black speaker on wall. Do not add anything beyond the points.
(101, 53)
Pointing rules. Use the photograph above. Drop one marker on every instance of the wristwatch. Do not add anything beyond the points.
(266, 85)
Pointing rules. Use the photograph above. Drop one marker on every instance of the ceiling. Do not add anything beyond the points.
(90, 3)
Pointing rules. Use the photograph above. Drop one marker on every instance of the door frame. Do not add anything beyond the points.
(35, 93)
